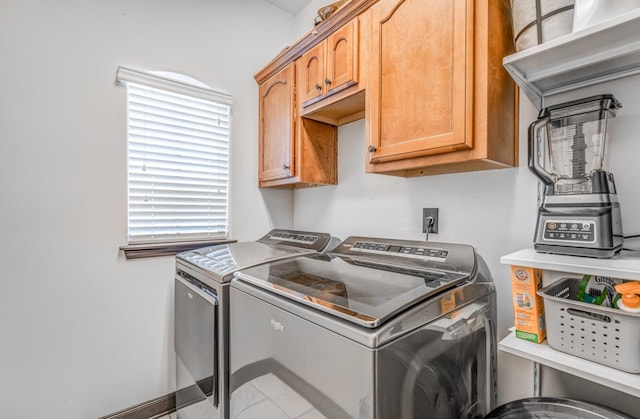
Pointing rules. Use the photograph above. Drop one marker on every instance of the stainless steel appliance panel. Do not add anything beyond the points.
(197, 352)
(363, 295)
(219, 262)
(444, 369)
(285, 366)
(202, 331)
(432, 352)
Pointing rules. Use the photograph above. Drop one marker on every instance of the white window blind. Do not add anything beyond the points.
(178, 159)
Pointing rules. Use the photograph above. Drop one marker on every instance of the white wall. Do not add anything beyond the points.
(495, 211)
(84, 332)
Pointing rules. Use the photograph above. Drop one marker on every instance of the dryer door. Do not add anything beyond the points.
(196, 345)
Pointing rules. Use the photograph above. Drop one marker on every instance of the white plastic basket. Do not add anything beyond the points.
(605, 335)
(538, 21)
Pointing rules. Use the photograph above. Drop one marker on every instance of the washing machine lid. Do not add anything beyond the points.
(366, 288)
(219, 262)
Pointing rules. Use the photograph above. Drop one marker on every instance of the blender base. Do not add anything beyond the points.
(590, 230)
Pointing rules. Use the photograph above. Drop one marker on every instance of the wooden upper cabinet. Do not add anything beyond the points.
(294, 152)
(276, 126)
(438, 98)
(342, 58)
(312, 86)
(421, 78)
(330, 66)
(427, 76)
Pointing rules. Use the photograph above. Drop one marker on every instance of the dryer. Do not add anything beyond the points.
(201, 313)
(375, 329)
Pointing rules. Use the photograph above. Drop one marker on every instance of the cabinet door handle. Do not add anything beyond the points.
(372, 149)
(285, 167)
(327, 81)
(318, 87)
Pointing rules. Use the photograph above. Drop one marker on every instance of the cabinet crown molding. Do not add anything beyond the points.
(343, 15)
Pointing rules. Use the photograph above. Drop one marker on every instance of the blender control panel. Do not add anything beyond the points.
(572, 231)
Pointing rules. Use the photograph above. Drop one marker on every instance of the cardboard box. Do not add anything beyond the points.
(528, 306)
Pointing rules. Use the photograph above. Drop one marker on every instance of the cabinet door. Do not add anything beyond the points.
(276, 126)
(313, 87)
(342, 58)
(421, 78)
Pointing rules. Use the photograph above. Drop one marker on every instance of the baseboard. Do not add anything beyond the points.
(160, 406)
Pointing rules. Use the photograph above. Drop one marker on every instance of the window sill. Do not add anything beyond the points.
(149, 250)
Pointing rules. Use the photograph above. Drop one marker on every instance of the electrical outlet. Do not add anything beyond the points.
(427, 214)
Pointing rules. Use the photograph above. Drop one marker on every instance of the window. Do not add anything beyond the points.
(178, 134)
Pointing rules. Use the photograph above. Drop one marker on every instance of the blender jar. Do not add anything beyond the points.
(574, 137)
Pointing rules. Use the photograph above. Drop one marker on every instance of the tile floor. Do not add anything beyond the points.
(267, 397)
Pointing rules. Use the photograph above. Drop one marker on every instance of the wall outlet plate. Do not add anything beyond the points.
(428, 213)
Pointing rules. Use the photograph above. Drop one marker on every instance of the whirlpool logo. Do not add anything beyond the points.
(277, 326)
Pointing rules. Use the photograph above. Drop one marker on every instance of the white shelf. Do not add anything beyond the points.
(626, 265)
(603, 52)
(543, 354)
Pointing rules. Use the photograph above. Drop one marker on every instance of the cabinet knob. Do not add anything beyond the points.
(372, 149)
(327, 81)
(318, 87)
(285, 167)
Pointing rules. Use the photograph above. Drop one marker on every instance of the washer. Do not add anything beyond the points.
(201, 320)
(375, 329)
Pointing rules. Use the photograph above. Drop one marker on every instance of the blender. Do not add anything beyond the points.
(580, 213)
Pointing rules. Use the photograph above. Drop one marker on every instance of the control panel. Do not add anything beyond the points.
(306, 240)
(582, 231)
(293, 237)
(419, 252)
